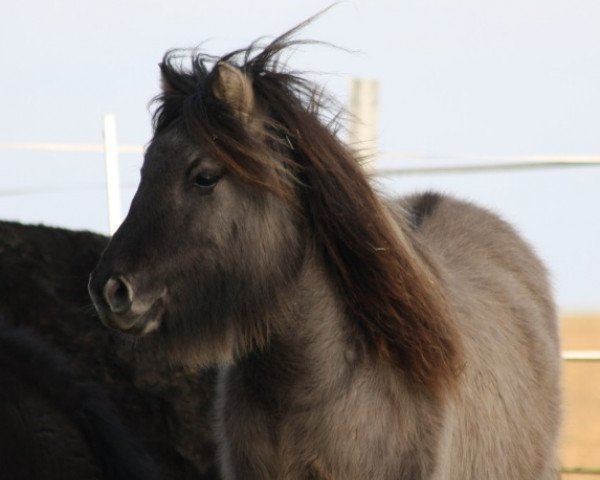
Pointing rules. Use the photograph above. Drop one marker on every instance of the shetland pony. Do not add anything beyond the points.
(357, 338)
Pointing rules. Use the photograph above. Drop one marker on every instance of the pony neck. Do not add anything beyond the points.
(313, 340)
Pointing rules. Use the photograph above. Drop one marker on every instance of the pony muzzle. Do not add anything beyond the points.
(120, 308)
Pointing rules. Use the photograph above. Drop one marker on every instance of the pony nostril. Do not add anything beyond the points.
(118, 294)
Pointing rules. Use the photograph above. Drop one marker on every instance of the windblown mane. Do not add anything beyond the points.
(390, 289)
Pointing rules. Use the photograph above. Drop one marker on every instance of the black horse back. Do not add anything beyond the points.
(45, 307)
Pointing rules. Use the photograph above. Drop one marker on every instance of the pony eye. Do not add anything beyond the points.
(206, 181)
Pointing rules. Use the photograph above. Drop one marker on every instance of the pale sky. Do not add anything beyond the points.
(457, 77)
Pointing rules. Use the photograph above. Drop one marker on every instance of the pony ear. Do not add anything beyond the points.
(233, 87)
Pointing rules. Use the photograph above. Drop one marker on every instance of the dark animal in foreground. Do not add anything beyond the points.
(358, 338)
(44, 302)
(56, 424)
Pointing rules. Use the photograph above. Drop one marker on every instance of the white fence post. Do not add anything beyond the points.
(364, 123)
(113, 185)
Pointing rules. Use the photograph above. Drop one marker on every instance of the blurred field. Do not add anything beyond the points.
(580, 445)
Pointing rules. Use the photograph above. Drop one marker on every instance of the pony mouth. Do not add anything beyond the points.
(138, 325)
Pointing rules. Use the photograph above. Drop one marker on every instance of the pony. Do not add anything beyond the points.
(356, 336)
(79, 401)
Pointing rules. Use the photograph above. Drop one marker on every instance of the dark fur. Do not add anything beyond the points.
(45, 372)
(356, 340)
(43, 279)
(424, 207)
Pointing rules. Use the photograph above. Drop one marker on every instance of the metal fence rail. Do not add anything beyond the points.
(66, 147)
(486, 163)
(581, 355)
